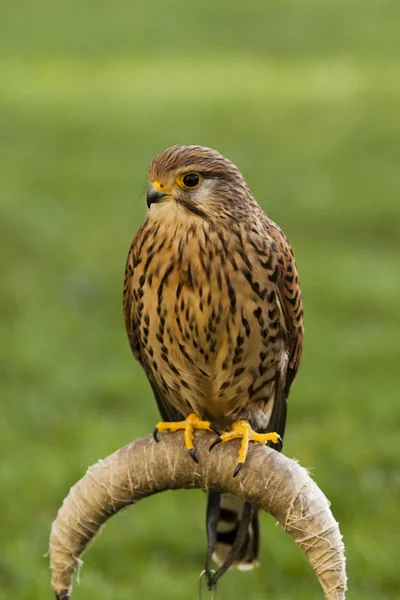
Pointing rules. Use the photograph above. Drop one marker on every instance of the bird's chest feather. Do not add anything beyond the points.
(206, 315)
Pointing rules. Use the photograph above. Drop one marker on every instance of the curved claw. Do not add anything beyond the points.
(155, 434)
(193, 455)
(279, 443)
(215, 442)
(214, 429)
(238, 469)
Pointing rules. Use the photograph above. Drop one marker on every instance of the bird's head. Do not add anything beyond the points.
(199, 180)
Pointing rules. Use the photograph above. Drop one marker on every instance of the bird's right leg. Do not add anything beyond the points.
(189, 425)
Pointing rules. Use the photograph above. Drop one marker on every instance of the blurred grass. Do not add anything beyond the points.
(304, 97)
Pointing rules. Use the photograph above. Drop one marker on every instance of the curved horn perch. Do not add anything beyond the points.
(274, 482)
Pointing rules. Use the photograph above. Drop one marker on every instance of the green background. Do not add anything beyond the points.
(304, 97)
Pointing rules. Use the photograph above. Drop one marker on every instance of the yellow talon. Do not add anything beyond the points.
(191, 423)
(243, 430)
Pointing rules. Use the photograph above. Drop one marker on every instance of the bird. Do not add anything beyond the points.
(214, 315)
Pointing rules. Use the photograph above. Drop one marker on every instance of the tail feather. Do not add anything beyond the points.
(231, 511)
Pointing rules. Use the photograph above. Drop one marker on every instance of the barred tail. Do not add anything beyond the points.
(231, 511)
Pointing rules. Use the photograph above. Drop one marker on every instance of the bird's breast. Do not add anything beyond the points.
(205, 317)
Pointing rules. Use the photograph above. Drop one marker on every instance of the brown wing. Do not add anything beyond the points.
(291, 307)
(132, 318)
(131, 323)
(289, 294)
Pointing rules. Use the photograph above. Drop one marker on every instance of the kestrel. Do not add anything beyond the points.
(214, 315)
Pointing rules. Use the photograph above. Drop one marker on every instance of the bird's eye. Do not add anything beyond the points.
(191, 180)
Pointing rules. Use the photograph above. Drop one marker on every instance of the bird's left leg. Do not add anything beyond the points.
(191, 423)
(242, 430)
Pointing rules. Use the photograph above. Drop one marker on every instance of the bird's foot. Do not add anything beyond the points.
(242, 430)
(191, 423)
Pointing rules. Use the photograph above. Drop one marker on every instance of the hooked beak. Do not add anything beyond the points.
(155, 195)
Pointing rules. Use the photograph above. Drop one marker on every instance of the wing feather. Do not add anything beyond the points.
(290, 306)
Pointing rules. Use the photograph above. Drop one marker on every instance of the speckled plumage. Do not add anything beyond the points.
(212, 302)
